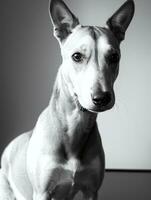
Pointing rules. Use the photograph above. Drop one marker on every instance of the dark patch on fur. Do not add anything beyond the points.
(92, 32)
(110, 36)
(62, 154)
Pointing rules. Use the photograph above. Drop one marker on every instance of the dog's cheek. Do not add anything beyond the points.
(86, 83)
(71, 77)
(77, 84)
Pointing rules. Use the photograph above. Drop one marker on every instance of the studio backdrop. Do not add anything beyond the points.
(30, 57)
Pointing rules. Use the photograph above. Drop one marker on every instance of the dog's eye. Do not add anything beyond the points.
(77, 57)
(113, 58)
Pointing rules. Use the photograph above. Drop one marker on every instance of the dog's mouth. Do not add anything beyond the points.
(81, 108)
(93, 109)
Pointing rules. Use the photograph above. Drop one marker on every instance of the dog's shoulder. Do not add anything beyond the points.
(13, 148)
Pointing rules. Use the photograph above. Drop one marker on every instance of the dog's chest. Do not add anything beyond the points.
(62, 178)
(69, 178)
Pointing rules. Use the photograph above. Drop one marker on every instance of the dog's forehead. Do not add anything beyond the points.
(79, 38)
(88, 36)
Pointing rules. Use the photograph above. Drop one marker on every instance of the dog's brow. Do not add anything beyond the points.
(94, 32)
(83, 48)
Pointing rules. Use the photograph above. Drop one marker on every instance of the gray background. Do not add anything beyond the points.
(29, 59)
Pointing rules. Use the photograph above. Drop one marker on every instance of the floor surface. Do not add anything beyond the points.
(125, 186)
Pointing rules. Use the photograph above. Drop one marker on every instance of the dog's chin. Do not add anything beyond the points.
(98, 109)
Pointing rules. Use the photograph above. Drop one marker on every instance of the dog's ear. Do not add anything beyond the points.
(62, 18)
(121, 19)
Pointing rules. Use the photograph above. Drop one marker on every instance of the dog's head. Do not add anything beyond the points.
(91, 54)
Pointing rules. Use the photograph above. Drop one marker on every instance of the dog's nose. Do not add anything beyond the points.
(102, 98)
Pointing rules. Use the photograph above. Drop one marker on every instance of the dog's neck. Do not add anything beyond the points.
(75, 124)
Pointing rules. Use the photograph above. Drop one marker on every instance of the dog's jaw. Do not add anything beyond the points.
(81, 108)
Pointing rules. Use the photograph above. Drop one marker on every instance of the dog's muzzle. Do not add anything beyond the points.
(100, 103)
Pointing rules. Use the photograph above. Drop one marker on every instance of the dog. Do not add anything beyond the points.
(63, 154)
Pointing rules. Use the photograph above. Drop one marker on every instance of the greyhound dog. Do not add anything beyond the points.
(63, 154)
